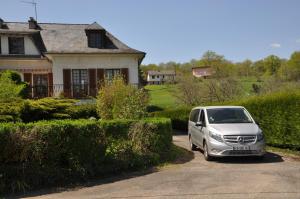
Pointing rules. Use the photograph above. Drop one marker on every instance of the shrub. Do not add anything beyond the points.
(116, 100)
(82, 111)
(59, 152)
(45, 109)
(179, 117)
(11, 110)
(11, 86)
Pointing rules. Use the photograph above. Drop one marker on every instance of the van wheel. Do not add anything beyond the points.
(192, 146)
(205, 152)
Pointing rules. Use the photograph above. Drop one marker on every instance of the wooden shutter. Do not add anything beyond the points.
(50, 84)
(100, 77)
(67, 82)
(92, 82)
(28, 79)
(124, 72)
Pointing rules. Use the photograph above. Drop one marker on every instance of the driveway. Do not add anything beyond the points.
(274, 177)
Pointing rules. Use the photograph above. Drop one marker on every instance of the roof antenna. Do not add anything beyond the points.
(33, 3)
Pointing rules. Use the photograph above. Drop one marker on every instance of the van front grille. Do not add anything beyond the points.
(239, 139)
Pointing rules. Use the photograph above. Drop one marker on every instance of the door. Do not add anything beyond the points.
(201, 129)
(192, 126)
(40, 85)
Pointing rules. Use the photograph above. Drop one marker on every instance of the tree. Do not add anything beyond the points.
(272, 63)
(291, 69)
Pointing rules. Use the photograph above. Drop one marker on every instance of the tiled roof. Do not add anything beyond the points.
(69, 38)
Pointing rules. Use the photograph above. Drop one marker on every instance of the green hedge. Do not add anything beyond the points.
(179, 117)
(279, 117)
(45, 109)
(51, 153)
(277, 113)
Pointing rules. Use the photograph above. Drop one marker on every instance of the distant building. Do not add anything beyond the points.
(160, 77)
(202, 71)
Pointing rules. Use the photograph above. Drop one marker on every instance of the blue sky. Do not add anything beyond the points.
(180, 30)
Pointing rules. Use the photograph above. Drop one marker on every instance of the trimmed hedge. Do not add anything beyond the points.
(51, 153)
(179, 117)
(277, 113)
(45, 109)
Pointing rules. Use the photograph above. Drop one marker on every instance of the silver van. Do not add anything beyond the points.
(225, 131)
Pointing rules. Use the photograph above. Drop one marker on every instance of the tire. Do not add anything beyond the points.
(205, 152)
(192, 146)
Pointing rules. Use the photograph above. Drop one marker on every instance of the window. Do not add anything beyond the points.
(153, 76)
(202, 117)
(95, 39)
(16, 45)
(80, 82)
(111, 73)
(228, 115)
(194, 115)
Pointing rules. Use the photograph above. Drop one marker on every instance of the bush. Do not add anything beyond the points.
(82, 111)
(279, 117)
(57, 152)
(179, 117)
(11, 110)
(45, 109)
(11, 86)
(116, 100)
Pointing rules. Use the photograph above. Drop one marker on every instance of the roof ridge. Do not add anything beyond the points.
(54, 23)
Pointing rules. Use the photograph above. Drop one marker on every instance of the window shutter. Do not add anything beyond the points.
(50, 84)
(27, 78)
(100, 77)
(67, 82)
(124, 72)
(92, 82)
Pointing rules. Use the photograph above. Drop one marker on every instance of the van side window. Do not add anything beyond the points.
(194, 115)
(202, 117)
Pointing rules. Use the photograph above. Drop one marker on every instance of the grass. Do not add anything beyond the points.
(162, 95)
(289, 152)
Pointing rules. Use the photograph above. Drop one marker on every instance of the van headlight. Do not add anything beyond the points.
(215, 136)
(260, 137)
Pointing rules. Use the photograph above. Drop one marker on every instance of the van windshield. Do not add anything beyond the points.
(227, 115)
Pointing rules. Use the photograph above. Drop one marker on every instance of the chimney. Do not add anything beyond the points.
(33, 23)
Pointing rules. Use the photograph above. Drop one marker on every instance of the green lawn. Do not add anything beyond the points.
(162, 95)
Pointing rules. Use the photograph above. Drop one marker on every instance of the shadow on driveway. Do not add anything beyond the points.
(268, 158)
(185, 156)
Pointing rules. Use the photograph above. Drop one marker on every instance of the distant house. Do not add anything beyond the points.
(202, 71)
(68, 59)
(160, 77)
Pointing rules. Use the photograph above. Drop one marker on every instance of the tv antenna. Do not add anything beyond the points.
(33, 3)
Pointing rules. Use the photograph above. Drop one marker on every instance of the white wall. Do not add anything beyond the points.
(30, 48)
(112, 61)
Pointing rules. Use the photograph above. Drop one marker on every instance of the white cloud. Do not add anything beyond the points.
(297, 40)
(275, 45)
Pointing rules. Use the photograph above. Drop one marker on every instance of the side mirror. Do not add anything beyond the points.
(257, 123)
(199, 123)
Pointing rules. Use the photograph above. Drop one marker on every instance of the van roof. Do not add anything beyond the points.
(211, 107)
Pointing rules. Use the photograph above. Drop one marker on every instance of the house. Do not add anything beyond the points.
(160, 77)
(202, 71)
(68, 59)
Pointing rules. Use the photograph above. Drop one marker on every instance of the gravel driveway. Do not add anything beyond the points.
(273, 177)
